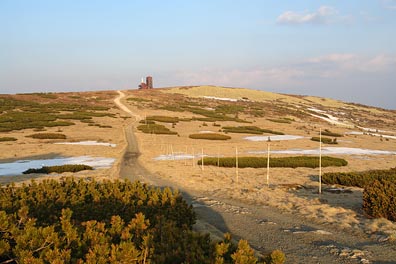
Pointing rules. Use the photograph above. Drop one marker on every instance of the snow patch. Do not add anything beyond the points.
(328, 151)
(178, 156)
(370, 134)
(221, 98)
(17, 167)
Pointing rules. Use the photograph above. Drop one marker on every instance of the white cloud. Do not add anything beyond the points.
(326, 67)
(324, 15)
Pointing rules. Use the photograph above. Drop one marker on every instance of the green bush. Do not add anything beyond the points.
(359, 179)
(3, 139)
(283, 162)
(147, 122)
(276, 257)
(379, 199)
(48, 136)
(59, 169)
(325, 140)
(249, 130)
(19, 114)
(209, 136)
(164, 119)
(156, 129)
(71, 221)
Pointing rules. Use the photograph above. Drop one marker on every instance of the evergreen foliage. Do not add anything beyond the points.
(72, 221)
(156, 129)
(325, 140)
(250, 130)
(20, 114)
(209, 136)
(359, 179)
(48, 136)
(379, 189)
(163, 119)
(59, 169)
(3, 139)
(283, 162)
(379, 199)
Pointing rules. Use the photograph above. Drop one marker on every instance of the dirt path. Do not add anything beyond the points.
(266, 228)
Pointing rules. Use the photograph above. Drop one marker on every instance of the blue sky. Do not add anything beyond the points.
(340, 49)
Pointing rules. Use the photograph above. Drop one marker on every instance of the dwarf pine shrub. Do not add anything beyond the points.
(209, 136)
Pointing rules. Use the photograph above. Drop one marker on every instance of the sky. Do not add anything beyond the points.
(339, 49)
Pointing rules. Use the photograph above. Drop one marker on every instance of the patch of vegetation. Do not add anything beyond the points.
(59, 169)
(283, 162)
(73, 221)
(19, 114)
(325, 140)
(327, 132)
(138, 99)
(280, 120)
(82, 115)
(379, 199)
(229, 108)
(163, 119)
(23, 120)
(156, 129)
(359, 179)
(147, 122)
(47, 136)
(249, 130)
(4, 139)
(209, 136)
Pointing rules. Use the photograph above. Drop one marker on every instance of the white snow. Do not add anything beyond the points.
(17, 167)
(221, 98)
(370, 134)
(178, 156)
(273, 138)
(329, 151)
(88, 143)
(330, 118)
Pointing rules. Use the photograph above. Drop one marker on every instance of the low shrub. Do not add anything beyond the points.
(3, 139)
(359, 179)
(59, 169)
(70, 221)
(147, 122)
(209, 136)
(327, 132)
(156, 129)
(325, 140)
(250, 130)
(276, 257)
(282, 162)
(164, 119)
(48, 136)
(282, 120)
(379, 199)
